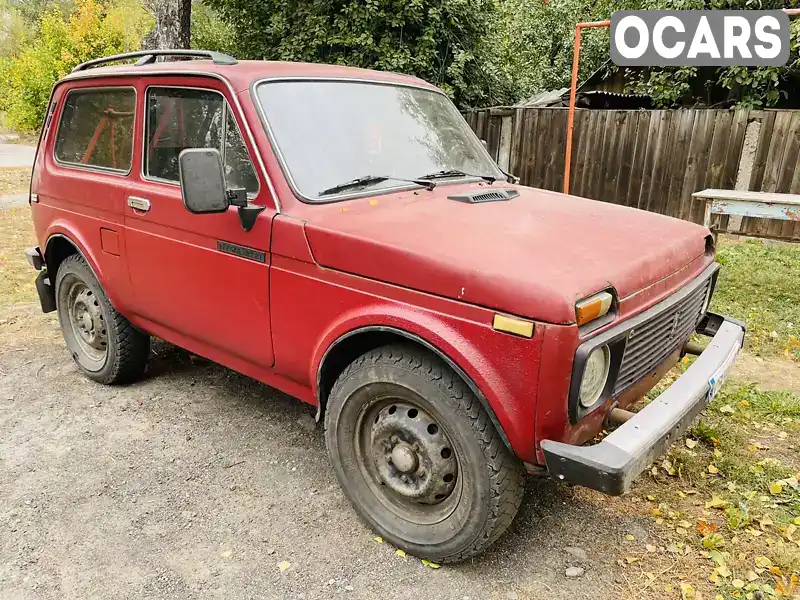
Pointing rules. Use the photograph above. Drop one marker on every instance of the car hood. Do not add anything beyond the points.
(533, 256)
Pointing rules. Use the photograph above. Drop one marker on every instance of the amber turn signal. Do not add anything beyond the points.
(592, 308)
(512, 325)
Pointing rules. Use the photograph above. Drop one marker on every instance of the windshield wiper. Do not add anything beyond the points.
(456, 173)
(370, 180)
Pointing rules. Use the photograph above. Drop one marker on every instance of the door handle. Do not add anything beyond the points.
(136, 203)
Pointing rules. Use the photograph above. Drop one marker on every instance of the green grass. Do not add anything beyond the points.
(760, 284)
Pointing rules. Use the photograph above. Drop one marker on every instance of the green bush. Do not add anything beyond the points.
(93, 29)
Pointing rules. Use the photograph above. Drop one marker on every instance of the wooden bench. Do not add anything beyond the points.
(736, 203)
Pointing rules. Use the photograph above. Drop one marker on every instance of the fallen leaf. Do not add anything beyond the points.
(667, 466)
(690, 443)
(629, 537)
(727, 409)
(717, 453)
(655, 512)
(765, 522)
(713, 469)
(651, 498)
(687, 591)
(284, 565)
(714, 577)
(796, 521)
(737, 583)
(631, 559)
(379, 539)
(724, 571)
(775, 488)
(790, 531)
(751, 576)
(763, 562)
(773, 570)
(717, 502)
(783, 435)
(226, 554)
(650, 548)
(430, 564)
(717, 557)
(400, 553)
(684, 524)
(704, 528)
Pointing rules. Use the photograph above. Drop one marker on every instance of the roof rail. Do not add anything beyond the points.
(149, 56)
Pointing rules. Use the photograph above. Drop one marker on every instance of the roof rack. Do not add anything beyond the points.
(147, 57)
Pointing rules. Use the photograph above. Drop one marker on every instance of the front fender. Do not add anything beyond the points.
(477, 352)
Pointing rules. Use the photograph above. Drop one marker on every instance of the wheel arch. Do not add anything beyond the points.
(356, 342)
(62, 244)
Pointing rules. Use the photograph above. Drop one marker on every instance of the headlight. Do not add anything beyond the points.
(595, 375)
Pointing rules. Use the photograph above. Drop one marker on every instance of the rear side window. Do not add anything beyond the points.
(180, 118)
(96, 129)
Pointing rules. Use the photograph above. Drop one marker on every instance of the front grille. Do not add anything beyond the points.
(655, 339)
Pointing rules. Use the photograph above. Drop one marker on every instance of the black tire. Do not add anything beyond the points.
(374, 397)
(104, 345)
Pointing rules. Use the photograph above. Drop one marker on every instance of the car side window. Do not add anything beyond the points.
(96, 129)
(179, 118)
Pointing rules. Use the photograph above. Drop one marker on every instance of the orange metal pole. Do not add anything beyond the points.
(572, 92)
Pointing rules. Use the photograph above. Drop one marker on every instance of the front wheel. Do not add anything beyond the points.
(418, 457)
(104, 345)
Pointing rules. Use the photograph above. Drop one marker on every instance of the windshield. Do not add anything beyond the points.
(331, 132)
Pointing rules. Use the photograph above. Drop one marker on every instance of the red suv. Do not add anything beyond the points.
(343, 236)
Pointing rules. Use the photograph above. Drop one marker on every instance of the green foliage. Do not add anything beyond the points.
(447, 42)
(758, 284)
(93, 29)
(210, 32)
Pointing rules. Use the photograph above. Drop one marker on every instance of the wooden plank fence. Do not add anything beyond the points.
(653, 159)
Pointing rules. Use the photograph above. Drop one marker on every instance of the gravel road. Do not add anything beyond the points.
(198, 482)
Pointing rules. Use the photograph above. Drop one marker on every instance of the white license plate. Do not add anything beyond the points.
(718, 378)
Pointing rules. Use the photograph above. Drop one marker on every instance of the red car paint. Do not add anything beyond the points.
(413, 261)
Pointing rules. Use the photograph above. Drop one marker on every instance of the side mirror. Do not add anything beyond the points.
(202, 181)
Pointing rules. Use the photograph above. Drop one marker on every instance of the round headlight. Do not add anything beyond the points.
(595, 375)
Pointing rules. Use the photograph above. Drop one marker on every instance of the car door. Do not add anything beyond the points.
(199, 281)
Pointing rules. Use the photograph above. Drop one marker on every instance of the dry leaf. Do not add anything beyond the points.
(690, 443)
(724, 571)
(379, 539)
(737, 583)
(284, 565)
(650, 548)
(717, 502)
(763, 562)
(430, 564)
(226, 554)
(713, 469)
(751, 576)
(687, 591)
(631, 559)
(727, 409)
(400, 553)
(629, 537)
(775, 488)
(704, 528)
(651, 498)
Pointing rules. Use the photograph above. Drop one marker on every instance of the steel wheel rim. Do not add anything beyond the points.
(86, 321)
(400, 450)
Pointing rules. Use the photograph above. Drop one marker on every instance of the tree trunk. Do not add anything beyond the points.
(173, 24)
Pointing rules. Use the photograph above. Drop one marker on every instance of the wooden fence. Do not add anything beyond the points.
(652, 159)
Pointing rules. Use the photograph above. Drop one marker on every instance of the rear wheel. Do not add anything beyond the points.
(418, 456)
(104, 345)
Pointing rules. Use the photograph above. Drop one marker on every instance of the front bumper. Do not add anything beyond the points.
(611, 465)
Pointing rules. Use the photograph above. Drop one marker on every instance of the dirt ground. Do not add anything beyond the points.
(197, 482)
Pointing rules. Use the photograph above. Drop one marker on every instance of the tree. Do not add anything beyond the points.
(447, 42)
(173, 24)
